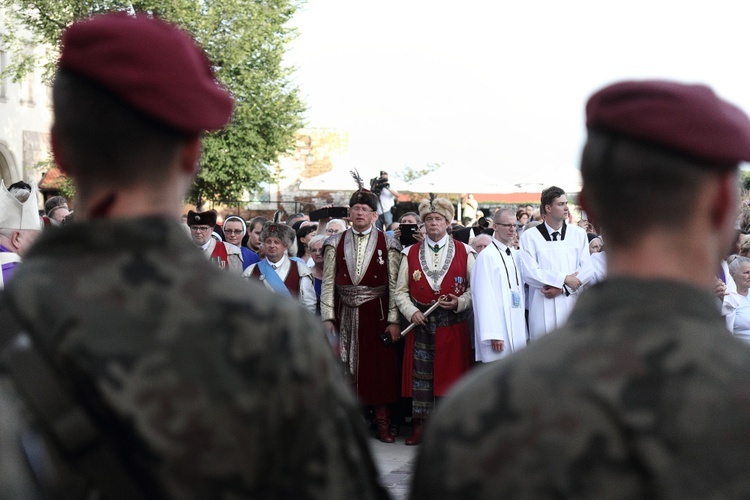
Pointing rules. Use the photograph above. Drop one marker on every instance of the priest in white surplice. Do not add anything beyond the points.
(554, 263)
(497, 294)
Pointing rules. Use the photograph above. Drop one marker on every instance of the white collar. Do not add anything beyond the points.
(550, 230)
(440, 243)
(205, 245)
(366, 231)
(278, 264)
(502, 246)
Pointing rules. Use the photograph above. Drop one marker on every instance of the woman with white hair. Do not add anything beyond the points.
(736, 307)
(335, 226)
(316, 250)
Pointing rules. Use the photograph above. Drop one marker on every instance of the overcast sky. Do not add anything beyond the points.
(496, 86)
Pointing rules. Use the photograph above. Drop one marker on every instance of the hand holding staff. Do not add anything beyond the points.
(387, 340)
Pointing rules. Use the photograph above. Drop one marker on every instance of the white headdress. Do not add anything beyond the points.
(17, 215)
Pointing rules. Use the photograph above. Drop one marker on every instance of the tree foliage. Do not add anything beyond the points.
(245, 39)
(409, 174)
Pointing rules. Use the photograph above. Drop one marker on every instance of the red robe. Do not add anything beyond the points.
(453, 354)
(376, 382)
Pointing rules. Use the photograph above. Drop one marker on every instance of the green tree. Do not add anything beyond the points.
(409, 174)
(245, 39)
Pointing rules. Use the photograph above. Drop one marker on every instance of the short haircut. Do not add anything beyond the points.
(734, 266)
(318, 238)
(106, 142)
(294, 218)
(413, 214)
(255, 221)
(54, 202)
(549, 195)
(338, 222)
(619, 172)
(521, 212)
(500, 212)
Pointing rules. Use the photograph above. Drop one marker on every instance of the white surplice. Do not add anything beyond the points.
(494, 281)
(546, 262)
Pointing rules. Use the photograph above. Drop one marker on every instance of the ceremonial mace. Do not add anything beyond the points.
(387, 338)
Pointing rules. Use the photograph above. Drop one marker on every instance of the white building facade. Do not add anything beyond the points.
(25, 119)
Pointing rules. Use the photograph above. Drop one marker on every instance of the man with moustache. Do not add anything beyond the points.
(356, 303)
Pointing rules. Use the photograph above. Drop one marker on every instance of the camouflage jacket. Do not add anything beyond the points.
(212, 386)
(643, 394)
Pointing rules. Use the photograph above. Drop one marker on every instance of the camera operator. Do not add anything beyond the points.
(386, 199)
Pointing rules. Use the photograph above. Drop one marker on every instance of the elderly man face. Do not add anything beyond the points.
(480, 242)
(436, 226)
(200, 233)
(234, 232)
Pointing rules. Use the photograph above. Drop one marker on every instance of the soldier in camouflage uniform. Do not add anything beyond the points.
(644, 393)
(208, 385)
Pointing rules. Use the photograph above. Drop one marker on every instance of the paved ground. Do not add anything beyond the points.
(395, 462)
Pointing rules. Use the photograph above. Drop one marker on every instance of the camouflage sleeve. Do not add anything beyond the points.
(320, 442)
(492, 438)
(270, 417)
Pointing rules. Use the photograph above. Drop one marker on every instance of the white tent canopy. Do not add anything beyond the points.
(453, 179)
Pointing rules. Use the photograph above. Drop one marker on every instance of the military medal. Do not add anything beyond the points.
(458, 285)
(262, 277)
(417, 275)
(380, 257)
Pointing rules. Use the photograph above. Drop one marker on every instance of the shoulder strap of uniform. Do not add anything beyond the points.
(67, 427)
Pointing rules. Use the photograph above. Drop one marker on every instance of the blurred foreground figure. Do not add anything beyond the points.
(643, 393)
(192, 383)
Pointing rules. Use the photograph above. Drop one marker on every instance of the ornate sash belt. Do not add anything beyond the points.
(353, 296)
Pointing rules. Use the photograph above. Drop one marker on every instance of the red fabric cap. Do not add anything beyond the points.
(154, 66)
(687, 118)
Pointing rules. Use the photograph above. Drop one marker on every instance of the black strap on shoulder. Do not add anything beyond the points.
(66, 424)
(545, 234)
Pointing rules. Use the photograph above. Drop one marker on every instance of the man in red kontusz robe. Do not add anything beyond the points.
(438, 351)
(356, 302)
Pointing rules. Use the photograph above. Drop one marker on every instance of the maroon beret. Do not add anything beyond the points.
(207, 218)
(690, 119)
(151, 65)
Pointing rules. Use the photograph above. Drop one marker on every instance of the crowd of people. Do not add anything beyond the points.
(171, 369)
(365, 283)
